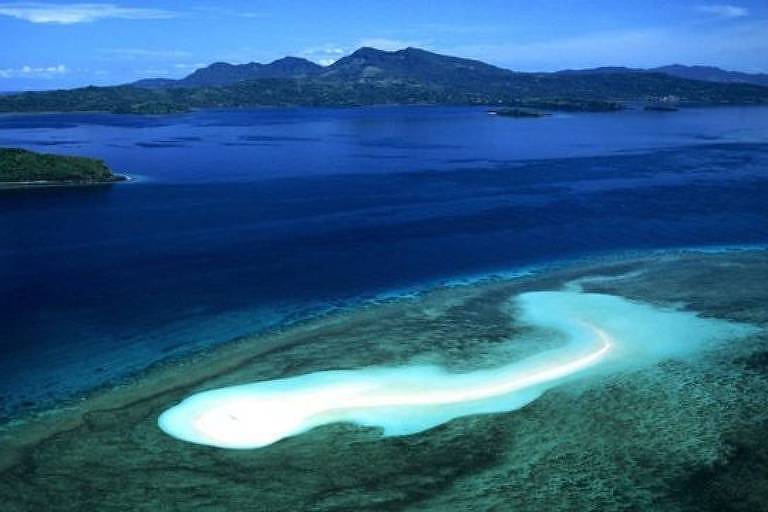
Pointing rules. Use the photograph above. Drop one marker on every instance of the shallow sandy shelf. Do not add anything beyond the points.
(634, 437)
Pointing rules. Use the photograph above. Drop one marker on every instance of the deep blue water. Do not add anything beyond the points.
(244, 219)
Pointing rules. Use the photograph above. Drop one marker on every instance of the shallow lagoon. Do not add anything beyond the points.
(683, 433)
(594, 332)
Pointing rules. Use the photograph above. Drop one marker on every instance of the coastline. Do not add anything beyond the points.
(167, 380)
(12, 185)
(629, 105)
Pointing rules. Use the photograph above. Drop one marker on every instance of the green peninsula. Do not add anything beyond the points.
(21, 167)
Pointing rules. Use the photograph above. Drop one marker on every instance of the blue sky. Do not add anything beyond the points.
(64, 44)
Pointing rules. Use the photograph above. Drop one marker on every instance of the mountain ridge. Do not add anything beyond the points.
(714, 74)
(354, 64)
(370, 76)
(223, 73)
(701, 73)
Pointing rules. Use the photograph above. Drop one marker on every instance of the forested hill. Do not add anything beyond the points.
(19, 166)
(370, 76)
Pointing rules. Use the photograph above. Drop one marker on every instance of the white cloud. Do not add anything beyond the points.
(724, 10)
(325, 54)
(67, 14)
(176, 70)
(183, 66)
(220, 11)
(34, 72)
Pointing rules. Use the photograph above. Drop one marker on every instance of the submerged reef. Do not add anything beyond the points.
(593, 327)
(677, 426)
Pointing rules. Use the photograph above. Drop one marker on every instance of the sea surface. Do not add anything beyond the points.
(239, 221)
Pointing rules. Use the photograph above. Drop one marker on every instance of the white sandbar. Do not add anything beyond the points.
(594, 328)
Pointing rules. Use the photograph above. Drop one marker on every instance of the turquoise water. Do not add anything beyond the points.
(599, 334)
(240, 221)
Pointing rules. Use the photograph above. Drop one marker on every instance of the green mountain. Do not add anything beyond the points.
(222, 74)
(370, 76)
(702, 73)
(713, 74)
(412, 64)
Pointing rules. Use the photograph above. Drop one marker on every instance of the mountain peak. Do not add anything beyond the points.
(367, 51)
(290, 59)
(290, 67)
(221, 74)
(220, 65)
(410, 64)
(413, 49)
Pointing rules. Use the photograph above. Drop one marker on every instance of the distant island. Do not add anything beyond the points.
(517, 112)
(661, 108)
(19, 167)
(409, 76)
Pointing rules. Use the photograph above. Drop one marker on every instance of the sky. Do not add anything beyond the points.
(53, 44)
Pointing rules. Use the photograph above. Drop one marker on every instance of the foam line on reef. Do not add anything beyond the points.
(596, 332)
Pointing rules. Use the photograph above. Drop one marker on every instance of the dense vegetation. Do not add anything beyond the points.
(20, 165)
(221, 73)
(713, 74)
(572, 105)
(122, 99)
(370, 76)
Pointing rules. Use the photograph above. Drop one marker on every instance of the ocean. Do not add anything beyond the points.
(241, 221)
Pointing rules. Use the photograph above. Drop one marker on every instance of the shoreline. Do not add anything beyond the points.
(13, 185)
(177, 375)
(630, 105)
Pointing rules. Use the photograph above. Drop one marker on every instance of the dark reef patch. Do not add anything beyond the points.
(737, 481)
